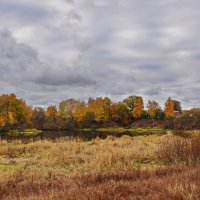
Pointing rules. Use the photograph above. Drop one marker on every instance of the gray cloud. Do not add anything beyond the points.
(22, 70)
(68, 77)
(69, 1)
(96, 48)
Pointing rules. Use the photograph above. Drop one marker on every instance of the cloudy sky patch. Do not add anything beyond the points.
(51, 50)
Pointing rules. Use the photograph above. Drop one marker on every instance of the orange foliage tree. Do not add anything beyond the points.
(80, 112)
(169, 108)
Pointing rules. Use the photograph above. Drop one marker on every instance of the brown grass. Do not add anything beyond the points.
(173, 183)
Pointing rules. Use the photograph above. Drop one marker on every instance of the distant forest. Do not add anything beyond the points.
(99, 112)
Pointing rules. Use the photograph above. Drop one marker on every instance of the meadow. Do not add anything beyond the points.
(154, 166)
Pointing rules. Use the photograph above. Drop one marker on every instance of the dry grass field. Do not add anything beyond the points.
(142, 167)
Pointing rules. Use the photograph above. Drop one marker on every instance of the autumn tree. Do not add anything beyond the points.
(14, 112)
(38, 118)
(88, 120)
(99, 107)
(153, 109)
(68, 107)
(52, 118)
(169, 108)
(138, 107)
(129, 102)
(80, 112)
(120, 113)
(2, 121)
(135, 105)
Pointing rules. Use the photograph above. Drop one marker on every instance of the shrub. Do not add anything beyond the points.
(189, 120)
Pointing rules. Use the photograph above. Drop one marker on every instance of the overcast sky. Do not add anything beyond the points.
(51, 50)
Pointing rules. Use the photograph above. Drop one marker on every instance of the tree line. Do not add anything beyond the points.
(72, 113)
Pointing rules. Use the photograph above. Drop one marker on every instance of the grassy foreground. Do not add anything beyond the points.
(142, 167)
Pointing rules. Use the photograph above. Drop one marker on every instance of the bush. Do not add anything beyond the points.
(169, 123)
(189, 120)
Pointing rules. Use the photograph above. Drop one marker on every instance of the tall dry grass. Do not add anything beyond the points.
(70, 157)
(180, 150)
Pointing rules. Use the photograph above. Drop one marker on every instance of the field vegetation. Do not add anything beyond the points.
(140, 167)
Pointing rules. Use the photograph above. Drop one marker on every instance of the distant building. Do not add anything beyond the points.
(177, 113)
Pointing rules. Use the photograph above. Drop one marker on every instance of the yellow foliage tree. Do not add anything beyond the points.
(11, 119)
(153, 109)
(138, 107)
(80, 112)
(99, 107)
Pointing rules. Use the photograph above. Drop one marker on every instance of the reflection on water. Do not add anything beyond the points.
(84, 135)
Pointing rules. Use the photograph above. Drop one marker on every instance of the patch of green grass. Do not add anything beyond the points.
(30, 132)
(84, 129)
(136, 131)
(120, 129)
(146, 164)
(26, 132)
(10, 168)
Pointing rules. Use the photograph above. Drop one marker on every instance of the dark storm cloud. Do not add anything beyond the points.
(66, 48)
